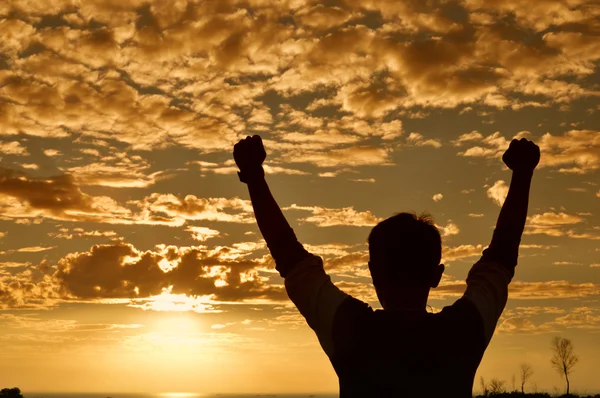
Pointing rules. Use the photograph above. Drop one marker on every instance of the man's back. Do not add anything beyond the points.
(401, 352)
(385, 353)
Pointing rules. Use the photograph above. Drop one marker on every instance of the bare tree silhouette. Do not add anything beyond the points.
(484, 388)
(563, 358)
(497, 387)
(526, 373)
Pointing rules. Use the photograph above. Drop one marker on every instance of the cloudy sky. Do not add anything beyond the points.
(130, 259)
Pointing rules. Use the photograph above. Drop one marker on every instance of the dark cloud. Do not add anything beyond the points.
(121, 271)
(56, 193)
(58, 197)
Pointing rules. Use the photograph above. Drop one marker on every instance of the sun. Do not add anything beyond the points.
(177, 322)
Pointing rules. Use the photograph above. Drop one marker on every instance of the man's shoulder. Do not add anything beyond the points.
(460, 307)
(462, 322)
(351, 317)
(353, 310)
(462, 311)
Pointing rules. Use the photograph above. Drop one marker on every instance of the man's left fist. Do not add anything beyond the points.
(522, 155)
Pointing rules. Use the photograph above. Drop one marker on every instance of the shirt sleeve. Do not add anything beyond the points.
(316, 297)
(487, 289)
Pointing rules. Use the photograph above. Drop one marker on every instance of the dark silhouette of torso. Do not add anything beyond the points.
(407, 353)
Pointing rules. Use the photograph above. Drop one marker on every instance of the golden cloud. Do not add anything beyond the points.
(417, 139)
(23, 290)
(118, 170)
(498, 192)
(327, 217)
(577, 151)
(229, 167)
(202, 234)
(168, 209)
(558, 224)
(519, 320)
(12, 148)
(352, 156)
(141, 77)
(460, 252)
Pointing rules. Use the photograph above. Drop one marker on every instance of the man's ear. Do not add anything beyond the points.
(436, 277)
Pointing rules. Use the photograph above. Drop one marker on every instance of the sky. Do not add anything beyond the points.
(130, 259)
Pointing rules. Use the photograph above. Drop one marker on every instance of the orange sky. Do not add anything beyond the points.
(130, 259)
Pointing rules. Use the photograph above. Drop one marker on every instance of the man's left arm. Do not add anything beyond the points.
(487, 282)
(306, 282)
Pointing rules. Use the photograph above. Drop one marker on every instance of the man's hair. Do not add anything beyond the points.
(405, 244)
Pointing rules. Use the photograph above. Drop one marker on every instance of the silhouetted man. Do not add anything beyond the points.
(402, 350)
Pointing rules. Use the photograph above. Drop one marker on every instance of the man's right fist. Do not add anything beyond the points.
(522, 155)
(249, 154)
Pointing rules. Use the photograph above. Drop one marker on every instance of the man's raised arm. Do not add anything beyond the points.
(249, 155)
(306, 282)
(521, 157)
(487, 283)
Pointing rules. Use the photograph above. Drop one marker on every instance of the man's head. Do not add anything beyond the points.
(405, 252)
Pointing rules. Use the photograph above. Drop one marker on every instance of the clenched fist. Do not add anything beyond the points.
(249, 154)
(522, 155)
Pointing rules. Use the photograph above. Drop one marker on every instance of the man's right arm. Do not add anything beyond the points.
(306, 282)
(487, 283)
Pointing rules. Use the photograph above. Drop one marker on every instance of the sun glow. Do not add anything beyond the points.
(176, 323)
(167, 301)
